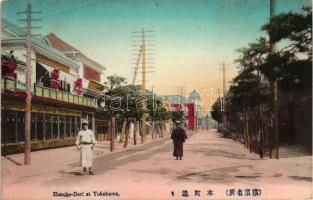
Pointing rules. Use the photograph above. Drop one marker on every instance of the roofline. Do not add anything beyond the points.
(93, 64)
(43, 50)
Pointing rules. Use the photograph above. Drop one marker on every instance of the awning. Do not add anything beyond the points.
(95, 86)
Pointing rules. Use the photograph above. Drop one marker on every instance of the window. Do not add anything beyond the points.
(67, 126)
(62, 126)
(8, 126)
(20, 126)
(33, 134)
(55, 127)
(91, 74)
(73, 131)
(48, 127)
(40, 126)
(77, 124)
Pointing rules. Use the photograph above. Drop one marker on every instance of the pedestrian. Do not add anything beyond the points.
(85, 142)
(179, 136)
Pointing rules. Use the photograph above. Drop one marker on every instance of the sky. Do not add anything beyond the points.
(189, 40)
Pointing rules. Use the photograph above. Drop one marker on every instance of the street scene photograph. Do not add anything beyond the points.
(156, 100)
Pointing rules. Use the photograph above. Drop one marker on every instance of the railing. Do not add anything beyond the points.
(8, 84)
(63, 96)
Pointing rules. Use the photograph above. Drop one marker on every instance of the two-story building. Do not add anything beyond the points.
(61, 93)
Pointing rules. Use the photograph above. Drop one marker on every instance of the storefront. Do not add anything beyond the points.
(52, 124)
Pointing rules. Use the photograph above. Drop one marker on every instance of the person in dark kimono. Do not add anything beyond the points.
(179, 136)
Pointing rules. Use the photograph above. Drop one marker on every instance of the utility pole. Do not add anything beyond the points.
(27, 144)
(181, 92)
(274, 143)
(224, 79)
(142, 57)
(224, 117)
(143, 88)
(153, 115)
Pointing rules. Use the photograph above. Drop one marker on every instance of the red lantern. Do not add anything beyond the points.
(54, 76)
(78, 86)
(8, 69)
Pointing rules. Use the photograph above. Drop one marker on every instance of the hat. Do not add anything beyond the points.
(84, 121)
(177, 123)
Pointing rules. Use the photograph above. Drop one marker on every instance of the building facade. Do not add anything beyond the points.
(61, 97)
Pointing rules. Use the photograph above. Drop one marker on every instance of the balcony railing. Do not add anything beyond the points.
(8, 84)
(63, 96)
(11, 85)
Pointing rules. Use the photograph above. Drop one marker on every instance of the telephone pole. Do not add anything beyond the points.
(274, 143)
(224, 117)
(224, 79)
(142, 57)
(27, 144)
(143, 88)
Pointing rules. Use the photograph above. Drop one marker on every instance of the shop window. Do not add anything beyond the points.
(8, 126)
(73, 131)
(90, 122)
(78, 119)
(67, 126)
(55, 128)
(40, 126)
(62, 126)
(20, 126)
(33, 127)
(48, 127)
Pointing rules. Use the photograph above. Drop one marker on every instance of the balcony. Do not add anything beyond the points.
(12, 86)
(41, 91)
(8, 84)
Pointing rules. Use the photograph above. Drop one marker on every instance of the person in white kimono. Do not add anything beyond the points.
(85, 142)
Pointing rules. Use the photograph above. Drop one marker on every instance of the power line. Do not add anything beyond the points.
(61, 12)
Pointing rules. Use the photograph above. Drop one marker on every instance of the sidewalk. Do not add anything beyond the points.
(285, 150)
(58, 159)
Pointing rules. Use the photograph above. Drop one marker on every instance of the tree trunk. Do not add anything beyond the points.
(123, 132)
(251, 136)
(140, 131)
(153, 131)
(126, 134)
(274, 137)
(247, 131)
(135, 132)
(274, 143)
(112, 134)
(261, 136)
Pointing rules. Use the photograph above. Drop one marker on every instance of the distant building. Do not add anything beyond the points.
(174, 99)
(194, 97)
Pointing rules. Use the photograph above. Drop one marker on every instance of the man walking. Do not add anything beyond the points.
(178, 136)
(85, 142)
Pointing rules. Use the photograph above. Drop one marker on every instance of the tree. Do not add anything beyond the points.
(297, 30)
(216, 111)
(114, 81)
(113, 86)
(290, 67)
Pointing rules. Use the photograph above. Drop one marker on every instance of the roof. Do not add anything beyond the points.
(71, 51)
(59, 44)
(38, 44)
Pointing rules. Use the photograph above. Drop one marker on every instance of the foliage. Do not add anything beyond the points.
(295, 27)
(114, 81)
(177, 116)
(216, 111)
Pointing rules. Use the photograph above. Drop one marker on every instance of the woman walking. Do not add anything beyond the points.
(179, 136)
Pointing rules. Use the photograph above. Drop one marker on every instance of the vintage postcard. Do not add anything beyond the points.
(156, 99)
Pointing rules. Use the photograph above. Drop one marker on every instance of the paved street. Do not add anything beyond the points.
(149, 171)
